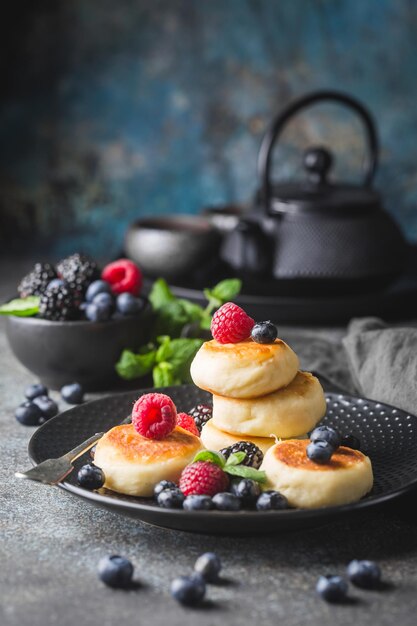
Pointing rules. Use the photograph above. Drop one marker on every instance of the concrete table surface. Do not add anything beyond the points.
(50, 543)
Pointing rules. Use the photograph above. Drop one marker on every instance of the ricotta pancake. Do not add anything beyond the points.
(288, 412)
(133, 464)
(346, 478)
(244, 370)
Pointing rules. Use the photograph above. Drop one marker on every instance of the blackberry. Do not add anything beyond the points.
(59, 303)
(254, 456)
(78, 271)
(201, 414)
(36, 282)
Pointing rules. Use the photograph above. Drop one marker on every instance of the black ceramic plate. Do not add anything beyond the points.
(388, 436)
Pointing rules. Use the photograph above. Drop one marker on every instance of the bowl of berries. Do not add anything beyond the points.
(71, 321)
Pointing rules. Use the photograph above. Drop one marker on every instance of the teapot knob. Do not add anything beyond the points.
(317, 162)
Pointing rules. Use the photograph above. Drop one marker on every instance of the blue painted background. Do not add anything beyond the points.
(112, 110)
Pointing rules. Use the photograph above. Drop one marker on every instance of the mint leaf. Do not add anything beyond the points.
(22, 307)
(164, 375)
(193, 311)
(245, 472)
(227, 289)
(160, 294)
(236, 458)
(171, 319)
(132, 365)
(211, 456)
(164, 351)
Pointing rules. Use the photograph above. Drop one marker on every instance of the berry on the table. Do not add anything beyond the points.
(271, 501)
(203, 478)
(29, 414)
(36, 282)
(115, 571)
(201, 414)
(123, 276)
(320, 451)
(170, 498)
(365, 574)
(208, 565)
(90, 477)
(127, 304)
(78, 271)
(226, 501)
(332, 588)
(188, 590)
(198, 503)
(230, 324)
(350, 441)
(59, 303)
(48, 407)
(163, 484)
(264, 332)
(33, 391)
(95, 288)
(254, 456)
(187, 422)
(326, 433)
(154, 415)
(247, 490)
(72, 393)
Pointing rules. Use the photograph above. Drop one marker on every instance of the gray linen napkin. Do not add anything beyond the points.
(383, 362)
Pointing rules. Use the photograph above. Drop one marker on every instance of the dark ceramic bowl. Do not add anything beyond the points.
(85, 352)
(171, 246)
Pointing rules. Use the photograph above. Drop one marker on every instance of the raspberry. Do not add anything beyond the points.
(123, 276)
(203, 478)
(154, 415)
(230, 324)
(187, 422)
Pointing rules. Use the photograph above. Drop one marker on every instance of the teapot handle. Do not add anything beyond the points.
(272, 134)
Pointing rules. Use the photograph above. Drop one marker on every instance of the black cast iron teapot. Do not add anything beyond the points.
(317, 237)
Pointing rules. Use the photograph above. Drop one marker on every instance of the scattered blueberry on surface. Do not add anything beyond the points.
(264, 332)
(332, 588)
(170, 498)
(126, 304)
(72, 393)
(29, 414)
(350, 441)
(163, 484)
(48, 407)
(198, 503)
(225, 501)
(271, 501)
(365, 574)
(115, 571)
(90, 477)
(209, 566)
(246, 489)
(320, 451)
(33, 391)
(326, 433)
(188, 590)
(95, 288)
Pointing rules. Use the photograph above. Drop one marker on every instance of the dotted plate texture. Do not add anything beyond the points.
(388, 435)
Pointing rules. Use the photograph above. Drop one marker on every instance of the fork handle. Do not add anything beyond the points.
(73, 454)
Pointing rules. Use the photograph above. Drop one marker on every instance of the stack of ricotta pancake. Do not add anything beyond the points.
(259, 393)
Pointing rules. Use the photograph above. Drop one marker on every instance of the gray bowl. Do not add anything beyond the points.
(171, 246)
(58, 353)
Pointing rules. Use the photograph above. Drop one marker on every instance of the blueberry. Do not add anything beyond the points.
(188, 590)
(163, 484)
(96, 287)
(246, 489)
(320, 451)
(56, 282)
(350, 441)
(225, 501)
(90, 477)
(48, 407)
(104, 299)
(35, 390)
(326, 433)
(171, 498)
(72, 393)
(366, 574)
(115, 571)
(264, 332)
(126, 304)
(198, 503)
(271, 501)
(208, 565)
(97, 312)
(332, 588)
(29, 414)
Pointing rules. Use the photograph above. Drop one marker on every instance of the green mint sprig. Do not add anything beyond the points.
(22, 307)
(233, 465)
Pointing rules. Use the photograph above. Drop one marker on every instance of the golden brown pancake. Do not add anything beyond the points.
(215, 439)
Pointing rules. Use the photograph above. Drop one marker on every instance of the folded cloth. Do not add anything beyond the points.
(383, 362)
